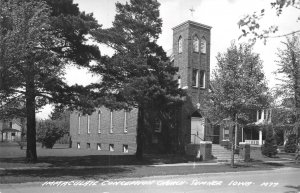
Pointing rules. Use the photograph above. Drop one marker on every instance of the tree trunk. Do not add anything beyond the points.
(297, 92)
(31, 155)
(140, 133)
(234, 140)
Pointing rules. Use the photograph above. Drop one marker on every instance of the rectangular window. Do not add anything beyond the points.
(99, 121)
(125, 148)
(226, 133)
(99, 146)
(111, 147)
(195, 78)
(202, 79)
(88, 145)
(88, 123)
(111, 122)
(78, 145)
(79, 122)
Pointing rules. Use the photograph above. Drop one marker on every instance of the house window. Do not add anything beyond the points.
(195, 44)
(203, 46)
(180, 44)
(226, 133)
(202, 79)
(99, 146)
(79, 122)
(13, 134)
(88, 123)
(111, 122)
(111, 147)
(125, 121)
(88, 145)
(265, 114)
(195, 78)
(154, 139)
(78, 145)
(259, 112)
(99, 121)
(269, 115)
(157, 126)
(125, 148)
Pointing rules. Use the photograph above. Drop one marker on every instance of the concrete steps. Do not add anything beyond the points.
(222, 154)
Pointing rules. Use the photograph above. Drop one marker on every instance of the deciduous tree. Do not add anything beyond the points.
(251, 25)
(239, 84)
(289, 76)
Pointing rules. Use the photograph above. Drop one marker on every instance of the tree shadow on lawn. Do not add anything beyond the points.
(20, 176)
(98, 160)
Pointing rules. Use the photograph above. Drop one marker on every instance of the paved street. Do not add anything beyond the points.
(278, 180)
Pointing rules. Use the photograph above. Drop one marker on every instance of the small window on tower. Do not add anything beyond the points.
(180, 45)
(202, 79)
(195, 78)
(196, 44)
(203, 46)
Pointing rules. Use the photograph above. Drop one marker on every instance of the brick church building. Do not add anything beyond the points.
(106, 130)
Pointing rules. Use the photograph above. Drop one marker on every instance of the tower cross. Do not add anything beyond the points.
(192, 10)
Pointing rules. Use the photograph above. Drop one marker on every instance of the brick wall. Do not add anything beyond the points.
(118, 137)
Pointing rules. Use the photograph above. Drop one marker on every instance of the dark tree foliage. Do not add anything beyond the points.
(291, 144)
(37, 41)
(138, 75)
(48, 132)
(269, 148)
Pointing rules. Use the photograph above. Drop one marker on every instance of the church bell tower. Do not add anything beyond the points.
(191, 52)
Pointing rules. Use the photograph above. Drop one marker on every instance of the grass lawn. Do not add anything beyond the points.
(103, 166)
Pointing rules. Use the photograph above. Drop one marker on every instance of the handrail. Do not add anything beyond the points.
(197, 137)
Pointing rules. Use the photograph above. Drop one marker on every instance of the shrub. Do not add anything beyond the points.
(291, 144)
(269, 149)
(48, 133)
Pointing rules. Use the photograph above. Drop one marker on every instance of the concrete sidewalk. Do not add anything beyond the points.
(124, 166)
(115, 166)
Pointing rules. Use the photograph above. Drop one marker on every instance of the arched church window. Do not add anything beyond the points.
(203, 46)
(195, 44)
(180, 45)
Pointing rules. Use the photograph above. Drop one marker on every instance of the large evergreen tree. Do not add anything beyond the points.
(37, 40)
(139, 74)
(239, 84)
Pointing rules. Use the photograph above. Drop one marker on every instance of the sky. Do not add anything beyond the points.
(221, 15)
